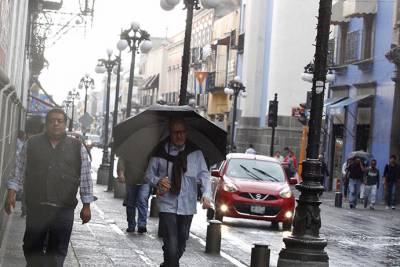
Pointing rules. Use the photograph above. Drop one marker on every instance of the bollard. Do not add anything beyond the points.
(102, 174)
(260, 255)
(119, 189)
(153, 207)
(213, 239)
(338, 199)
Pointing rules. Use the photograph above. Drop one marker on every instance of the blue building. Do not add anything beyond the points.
(362, 105)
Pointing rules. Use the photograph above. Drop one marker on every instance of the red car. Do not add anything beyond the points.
(253, 187)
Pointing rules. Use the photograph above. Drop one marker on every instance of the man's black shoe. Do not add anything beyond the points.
(130, 229)
(142, 230)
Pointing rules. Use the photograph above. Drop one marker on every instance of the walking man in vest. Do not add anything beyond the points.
(175, 168)
(137, 195)
(51, 167)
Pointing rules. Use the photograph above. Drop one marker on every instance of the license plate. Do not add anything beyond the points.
(257, 209)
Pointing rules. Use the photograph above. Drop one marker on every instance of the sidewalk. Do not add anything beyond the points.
(104, 242)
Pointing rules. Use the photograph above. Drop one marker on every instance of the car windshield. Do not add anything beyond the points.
(252, 169)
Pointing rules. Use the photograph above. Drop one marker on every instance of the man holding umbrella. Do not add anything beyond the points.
(175, 168)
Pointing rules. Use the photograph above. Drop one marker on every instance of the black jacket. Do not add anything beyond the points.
(52, 174)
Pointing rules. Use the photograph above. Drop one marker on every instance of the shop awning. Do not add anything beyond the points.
(151, 82)
(337, 13)
(359, 8)
(360, 99)
(333, 100)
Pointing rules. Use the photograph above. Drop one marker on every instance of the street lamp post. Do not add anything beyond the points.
(190, 6)
(305, 247)
(104, 65)
(235, 87)
(72, 95)
(134, 37)
(86, 82)
(121, 45)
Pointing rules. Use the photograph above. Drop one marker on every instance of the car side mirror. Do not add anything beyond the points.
(215, 173)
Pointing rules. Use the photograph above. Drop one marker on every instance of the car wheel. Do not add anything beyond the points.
(287, 225)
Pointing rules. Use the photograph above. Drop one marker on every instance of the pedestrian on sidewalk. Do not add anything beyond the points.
(324, 170)
(174, 169)
(371, 181)
(251, 150)
(278, 156)
(51, 167)
(291, 160)
(391, 176)
(356, 173)
(345, 177)
(137, 195)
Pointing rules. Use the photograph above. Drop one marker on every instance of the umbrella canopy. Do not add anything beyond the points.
(364, 156)
(136, 137)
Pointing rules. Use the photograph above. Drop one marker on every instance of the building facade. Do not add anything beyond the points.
(14, 73)
(362, 109)
(278, 43)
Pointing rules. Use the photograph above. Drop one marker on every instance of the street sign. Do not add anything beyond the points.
(86, 120)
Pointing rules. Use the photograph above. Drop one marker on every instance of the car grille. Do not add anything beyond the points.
(257, 196)
(245, 208)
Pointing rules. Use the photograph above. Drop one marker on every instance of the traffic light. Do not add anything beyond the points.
(273, 114)
(303, 115)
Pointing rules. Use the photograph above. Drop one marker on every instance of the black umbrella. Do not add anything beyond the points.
(364, 156)
(136, 137)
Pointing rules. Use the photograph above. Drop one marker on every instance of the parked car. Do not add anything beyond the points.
(252, 187)
(95, 140)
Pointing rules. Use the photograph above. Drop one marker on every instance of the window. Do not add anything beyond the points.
(352, 46)
(250, 169)
(331, 52)
(368, 37)
(342, 40)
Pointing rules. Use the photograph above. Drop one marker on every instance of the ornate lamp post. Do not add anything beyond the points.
(235, 87)
(121, 45)
(72, 95)
(104, 65)
(190, 6)
(305, 247)
(134, 37)
(86, 82)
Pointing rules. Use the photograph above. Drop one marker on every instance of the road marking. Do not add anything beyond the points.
(118, 231)
(223, 254)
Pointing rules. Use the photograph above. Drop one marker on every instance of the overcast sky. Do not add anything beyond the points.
(74, 54)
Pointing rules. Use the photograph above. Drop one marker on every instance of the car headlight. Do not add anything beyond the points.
(229, 187)
(285, 192)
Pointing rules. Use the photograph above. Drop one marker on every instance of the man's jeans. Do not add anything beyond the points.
(391, 193)
(354, 190)
(370, 193)
(47, 235)
(137, 196)
(175, 229)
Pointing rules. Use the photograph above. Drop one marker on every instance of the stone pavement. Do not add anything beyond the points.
(104, 242)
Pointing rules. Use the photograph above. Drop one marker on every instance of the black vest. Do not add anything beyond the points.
(52, 174)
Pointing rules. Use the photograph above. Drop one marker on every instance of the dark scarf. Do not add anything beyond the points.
(179, 162)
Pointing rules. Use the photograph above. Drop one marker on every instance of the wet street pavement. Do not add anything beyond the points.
(359, 237)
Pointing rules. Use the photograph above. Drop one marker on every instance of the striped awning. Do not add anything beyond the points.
(151, 82)
(359, 8)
